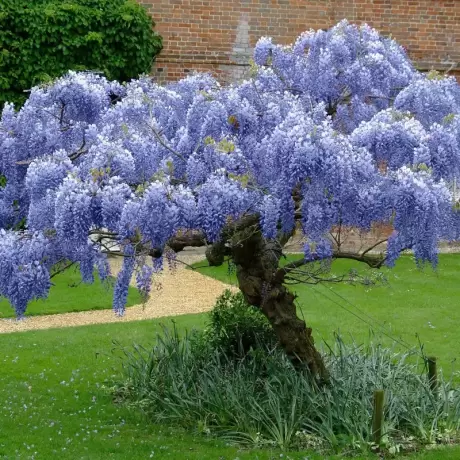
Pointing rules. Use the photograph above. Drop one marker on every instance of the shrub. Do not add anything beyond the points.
(235, 327)
(43, 39)
(262, 400)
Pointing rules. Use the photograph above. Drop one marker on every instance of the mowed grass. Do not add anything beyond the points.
(54, 403)
(414, 305)
(54, 399)
(69, 294)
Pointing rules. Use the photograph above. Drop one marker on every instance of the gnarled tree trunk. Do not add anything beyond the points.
(257, 265)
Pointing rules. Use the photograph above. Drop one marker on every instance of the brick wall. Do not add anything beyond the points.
(218, 35)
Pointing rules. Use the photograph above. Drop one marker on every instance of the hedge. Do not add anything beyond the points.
(43, 39)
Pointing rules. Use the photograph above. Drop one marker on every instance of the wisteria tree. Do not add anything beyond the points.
(337, 131)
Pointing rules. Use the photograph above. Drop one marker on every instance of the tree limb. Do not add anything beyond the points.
(371, 260)
(166, 146)
(194, 239)
(374, 261)
(374, 246)
(81, 151)
(72, 156)
(62, 269)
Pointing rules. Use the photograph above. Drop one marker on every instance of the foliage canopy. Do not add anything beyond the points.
(43, 39)
(338, 129)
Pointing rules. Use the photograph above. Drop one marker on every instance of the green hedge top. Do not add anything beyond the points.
(43, 39)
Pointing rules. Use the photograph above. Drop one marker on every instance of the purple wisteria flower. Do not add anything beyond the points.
(337, 128)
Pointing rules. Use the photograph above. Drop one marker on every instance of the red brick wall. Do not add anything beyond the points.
(217, 35)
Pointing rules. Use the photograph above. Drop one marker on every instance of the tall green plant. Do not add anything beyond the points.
(236, 328)
(261, 400)
(43, 39)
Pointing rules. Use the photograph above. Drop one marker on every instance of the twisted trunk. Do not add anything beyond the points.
(257, 263)
(277, 304)
(261, 282)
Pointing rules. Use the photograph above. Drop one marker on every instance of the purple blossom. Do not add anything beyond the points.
(430, 99)
(144, 279)
(262, 50)
(269, 216)
(338, 128)
(318, 250)
(123, 279)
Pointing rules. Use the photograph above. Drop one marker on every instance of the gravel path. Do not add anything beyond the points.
(179, 292)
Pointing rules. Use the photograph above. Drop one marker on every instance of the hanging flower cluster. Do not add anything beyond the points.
(337, 128)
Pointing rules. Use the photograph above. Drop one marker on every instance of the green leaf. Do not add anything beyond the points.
(52, 36)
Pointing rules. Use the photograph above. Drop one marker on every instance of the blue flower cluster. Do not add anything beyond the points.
(338, 128)
(25, 261)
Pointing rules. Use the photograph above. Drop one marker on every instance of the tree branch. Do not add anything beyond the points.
(61, 114)
(72, 156)
(371, 260)
(291, 280)
(179, 242)
(165, 145)
(374, 246)
(81, 151)
(62, 269)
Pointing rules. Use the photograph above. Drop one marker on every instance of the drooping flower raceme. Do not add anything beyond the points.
(337, 129)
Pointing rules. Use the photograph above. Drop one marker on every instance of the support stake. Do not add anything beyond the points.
(377, 418)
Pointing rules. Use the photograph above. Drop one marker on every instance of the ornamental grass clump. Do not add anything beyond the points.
(258, 398)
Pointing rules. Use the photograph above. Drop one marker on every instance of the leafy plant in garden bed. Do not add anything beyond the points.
(260, 399)
(235, 327)
(43, 39)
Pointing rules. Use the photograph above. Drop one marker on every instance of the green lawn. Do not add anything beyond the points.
(414, 302)
(69, 294)
(53, 404)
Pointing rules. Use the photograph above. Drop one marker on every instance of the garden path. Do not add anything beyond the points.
(174, 293)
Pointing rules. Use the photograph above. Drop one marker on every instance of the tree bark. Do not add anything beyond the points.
(261, 281)
(257, 263)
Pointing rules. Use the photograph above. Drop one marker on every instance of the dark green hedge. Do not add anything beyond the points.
(43, 39)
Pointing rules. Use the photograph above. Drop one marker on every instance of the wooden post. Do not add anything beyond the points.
(433, 374)
(377, 418)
